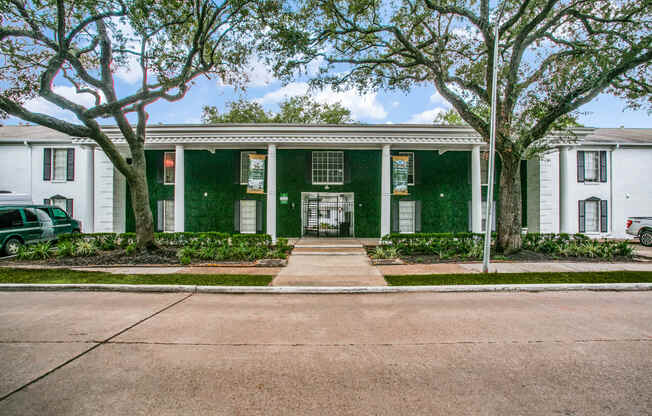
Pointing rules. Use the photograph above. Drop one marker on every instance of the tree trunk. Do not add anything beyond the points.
(509, 220)
(140, 201)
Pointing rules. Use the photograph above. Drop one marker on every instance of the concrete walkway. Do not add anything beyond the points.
(320, 262)
(565, 267)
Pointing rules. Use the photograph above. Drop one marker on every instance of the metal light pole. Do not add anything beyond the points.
(492, 149)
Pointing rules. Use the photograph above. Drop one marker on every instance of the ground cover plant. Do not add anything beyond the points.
(61, 276)
(518, 278)
(436, 247)
(173, 248)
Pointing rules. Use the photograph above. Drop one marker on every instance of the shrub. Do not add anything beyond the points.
(385, 252)
(85, 248)
(66, 248)
(185, 260)
(41, 251)
(25, 253)
(130, 249)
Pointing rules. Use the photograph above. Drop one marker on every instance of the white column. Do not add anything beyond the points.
(476, 191)
(88, 219)
(271, 191)
(385, 189)
(179, 190)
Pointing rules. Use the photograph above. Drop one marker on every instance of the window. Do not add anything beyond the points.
(10, 218)
(484, 216)
(59, 214)
(592, 216)
(328, 168)
(591, 166)
(484, 168)
(58, 164)
(248, 216)
(165, 215)
(406, 216)
(244, 166)
(410, 166)
(168, 168)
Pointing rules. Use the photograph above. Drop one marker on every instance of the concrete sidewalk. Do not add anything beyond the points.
(520, 267)
(316, 262)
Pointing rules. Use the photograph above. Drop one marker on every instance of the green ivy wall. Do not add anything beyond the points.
(293, 177)
(212, 187)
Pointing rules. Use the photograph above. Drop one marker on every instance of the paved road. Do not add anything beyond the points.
(579, 353)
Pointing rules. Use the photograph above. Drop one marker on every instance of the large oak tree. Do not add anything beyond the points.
(82, 43)
(554, 56)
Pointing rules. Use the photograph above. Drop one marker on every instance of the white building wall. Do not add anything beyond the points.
(77, 190)
(119, 201)
(573, 191)
(104, 193)
(632, 190)
(14, 169)
(549, 192)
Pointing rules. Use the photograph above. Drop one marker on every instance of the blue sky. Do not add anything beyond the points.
(420, 105)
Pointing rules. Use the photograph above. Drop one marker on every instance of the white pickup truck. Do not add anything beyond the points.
(641, 227)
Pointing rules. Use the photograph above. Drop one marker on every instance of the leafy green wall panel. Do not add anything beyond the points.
(291, 177)
(211, 189)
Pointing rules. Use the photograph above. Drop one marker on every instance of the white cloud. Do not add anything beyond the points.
(395, 104)
(41, 105)
(361, 106)
(426, 117)
(436, 98)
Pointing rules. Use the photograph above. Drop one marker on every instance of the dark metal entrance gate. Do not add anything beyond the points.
(327, 218)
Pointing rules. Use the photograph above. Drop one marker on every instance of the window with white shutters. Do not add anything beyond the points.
(248, 216)
(406, 215)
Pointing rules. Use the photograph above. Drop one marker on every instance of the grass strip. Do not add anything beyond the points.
(519, 278)
(51, 276)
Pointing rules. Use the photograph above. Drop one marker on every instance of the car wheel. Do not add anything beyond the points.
(12, 245)
(646, 238)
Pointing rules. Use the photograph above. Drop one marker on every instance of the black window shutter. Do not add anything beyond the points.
(417, 216)
(47, 164)
(236, 167)
(69, 207)
(582, 216)
(160, 217)
(347, 167)
(160, 169)
(580, 166)
(308, 168)
(417, 169)
(259, 217)
(394, 216)
(603, 216)
(71, 165)
(603, 166)
(236, 216)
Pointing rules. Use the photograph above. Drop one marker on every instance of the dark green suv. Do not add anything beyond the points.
(27, 224)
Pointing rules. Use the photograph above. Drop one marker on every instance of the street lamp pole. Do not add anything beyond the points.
(492, 148)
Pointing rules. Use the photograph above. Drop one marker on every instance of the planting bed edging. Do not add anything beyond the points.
(609, 287)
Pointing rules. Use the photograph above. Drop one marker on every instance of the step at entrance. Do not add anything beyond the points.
(322, 262)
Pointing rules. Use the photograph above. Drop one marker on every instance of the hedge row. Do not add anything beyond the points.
(196, 240)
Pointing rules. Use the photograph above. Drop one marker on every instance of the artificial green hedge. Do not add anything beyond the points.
(176, 239)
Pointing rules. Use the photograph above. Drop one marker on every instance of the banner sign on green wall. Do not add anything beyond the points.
(400, 175)
(256, 179)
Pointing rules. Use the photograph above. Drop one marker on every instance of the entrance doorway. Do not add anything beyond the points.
(327, 214)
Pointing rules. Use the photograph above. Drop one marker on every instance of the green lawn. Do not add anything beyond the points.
(74, 276)
(518, 278)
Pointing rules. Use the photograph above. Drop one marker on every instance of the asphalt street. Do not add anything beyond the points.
(561, 353)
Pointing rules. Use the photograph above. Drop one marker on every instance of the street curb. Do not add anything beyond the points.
(607, 287)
